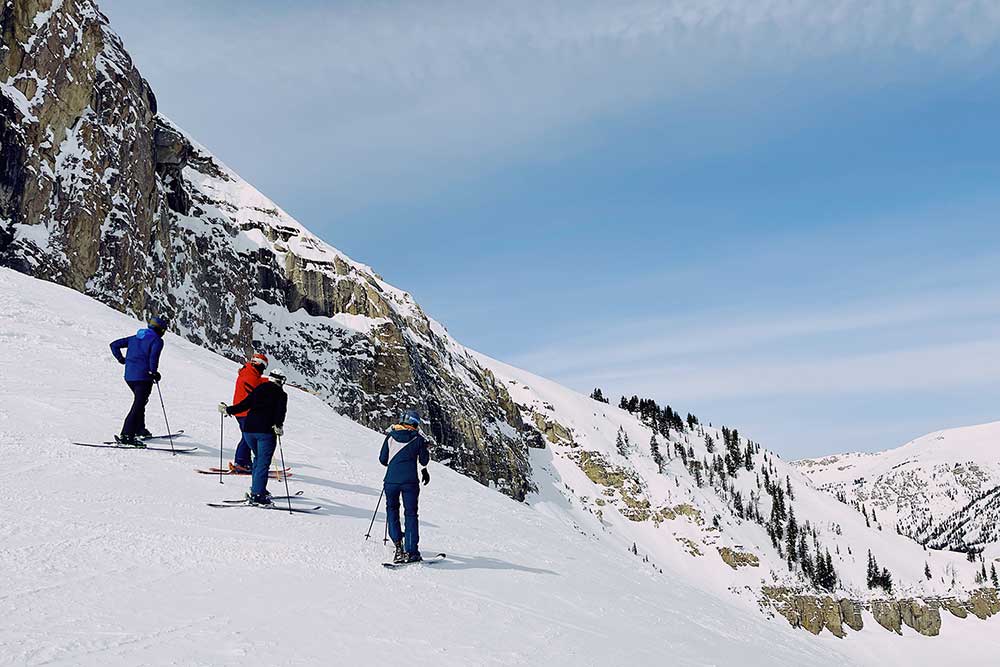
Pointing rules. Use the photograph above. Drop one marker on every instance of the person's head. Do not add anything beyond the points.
(259, 360)
(410, 418)
(278, 376)
(159, 324)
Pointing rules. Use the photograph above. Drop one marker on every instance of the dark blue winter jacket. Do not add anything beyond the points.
(142, 356)
(401, 451)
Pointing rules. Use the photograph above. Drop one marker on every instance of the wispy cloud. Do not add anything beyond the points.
(413, 95)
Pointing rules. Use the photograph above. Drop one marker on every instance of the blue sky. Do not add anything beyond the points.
(777, 215)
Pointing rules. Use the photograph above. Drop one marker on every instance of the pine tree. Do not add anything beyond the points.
(654, 451)
(620, 442)
(792, 533)
(927, 571)
(993, 575)
(598, 396)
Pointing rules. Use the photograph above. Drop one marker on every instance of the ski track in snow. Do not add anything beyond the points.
(112, 557)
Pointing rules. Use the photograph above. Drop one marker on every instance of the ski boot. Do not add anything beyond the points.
(145, 435)
(262, 500)
(400, 556)
(413, 557)
(239, 470)
(129, 441)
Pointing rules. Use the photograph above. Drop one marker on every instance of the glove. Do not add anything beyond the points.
(155, 376)
(426, 476)
(223, 409)
(121, 361)
(278, 430)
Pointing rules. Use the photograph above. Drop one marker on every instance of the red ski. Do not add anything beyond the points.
(273, 474)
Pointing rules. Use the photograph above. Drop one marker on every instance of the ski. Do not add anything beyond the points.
(271, 473)
(301, 510)
(165, 436)
(437, 558)
(105, 445)
(273, 498)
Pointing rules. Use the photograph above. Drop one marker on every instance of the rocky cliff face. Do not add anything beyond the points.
(99, 193)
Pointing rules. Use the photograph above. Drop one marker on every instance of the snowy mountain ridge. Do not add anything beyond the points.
(939, 489)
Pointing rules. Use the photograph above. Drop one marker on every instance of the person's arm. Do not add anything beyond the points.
(383, 456)
(116, 349)
(281, 409)
(154, 355)
(243, 405)
(424, 453)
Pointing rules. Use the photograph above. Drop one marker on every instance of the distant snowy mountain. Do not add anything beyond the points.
(941, 489)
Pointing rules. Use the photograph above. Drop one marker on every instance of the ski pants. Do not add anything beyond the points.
(135, 422)
(242, 457)
(262, 445)
(409, 493)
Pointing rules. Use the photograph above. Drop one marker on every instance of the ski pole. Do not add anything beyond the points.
(287, 492)
(169, 432)
(379, 503)
(222, 431)
(385, 538)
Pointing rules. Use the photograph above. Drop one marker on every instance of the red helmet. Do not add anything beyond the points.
(259, 359)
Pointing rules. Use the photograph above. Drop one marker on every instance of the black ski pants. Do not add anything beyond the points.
(135, 422)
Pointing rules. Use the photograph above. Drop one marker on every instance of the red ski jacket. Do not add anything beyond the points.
(248, 379)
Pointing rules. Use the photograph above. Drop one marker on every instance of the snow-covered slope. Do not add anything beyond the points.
(112, 557)
(714, 528)
(939, 488)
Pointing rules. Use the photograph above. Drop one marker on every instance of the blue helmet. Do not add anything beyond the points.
(160, 324)
(411, 418)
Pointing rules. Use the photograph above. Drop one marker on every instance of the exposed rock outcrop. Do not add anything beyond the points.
(737, 559)
(814, 612)
(99, 193)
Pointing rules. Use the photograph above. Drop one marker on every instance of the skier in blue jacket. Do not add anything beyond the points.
(141, 361)
(402, 449)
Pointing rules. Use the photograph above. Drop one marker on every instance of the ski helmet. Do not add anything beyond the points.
(411, 418)
(278, 376)
(159, 324)
(259, 359)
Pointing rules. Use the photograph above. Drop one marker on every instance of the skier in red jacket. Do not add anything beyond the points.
(249, 378)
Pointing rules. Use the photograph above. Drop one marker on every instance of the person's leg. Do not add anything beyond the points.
(242, 457)
(251, 440)
(145, 391)
(392, 512)
(263, 452)
(134, 422)
(410, 494)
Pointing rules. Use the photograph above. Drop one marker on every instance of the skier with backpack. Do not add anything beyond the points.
(265, 406)
(248, 379)
(404, 447)
(141, 361)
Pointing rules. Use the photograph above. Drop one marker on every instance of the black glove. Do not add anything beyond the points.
(121, 361)
(155, 376)
(426, 476)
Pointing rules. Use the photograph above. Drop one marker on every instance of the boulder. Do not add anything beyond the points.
(886, 612)
(923, 618)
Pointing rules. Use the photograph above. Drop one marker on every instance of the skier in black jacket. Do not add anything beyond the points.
(267, 405)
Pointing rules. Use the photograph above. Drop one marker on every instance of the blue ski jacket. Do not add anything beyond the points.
(402, 449)
(142, 355)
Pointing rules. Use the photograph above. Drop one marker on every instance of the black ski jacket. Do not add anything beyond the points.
(267, 404)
